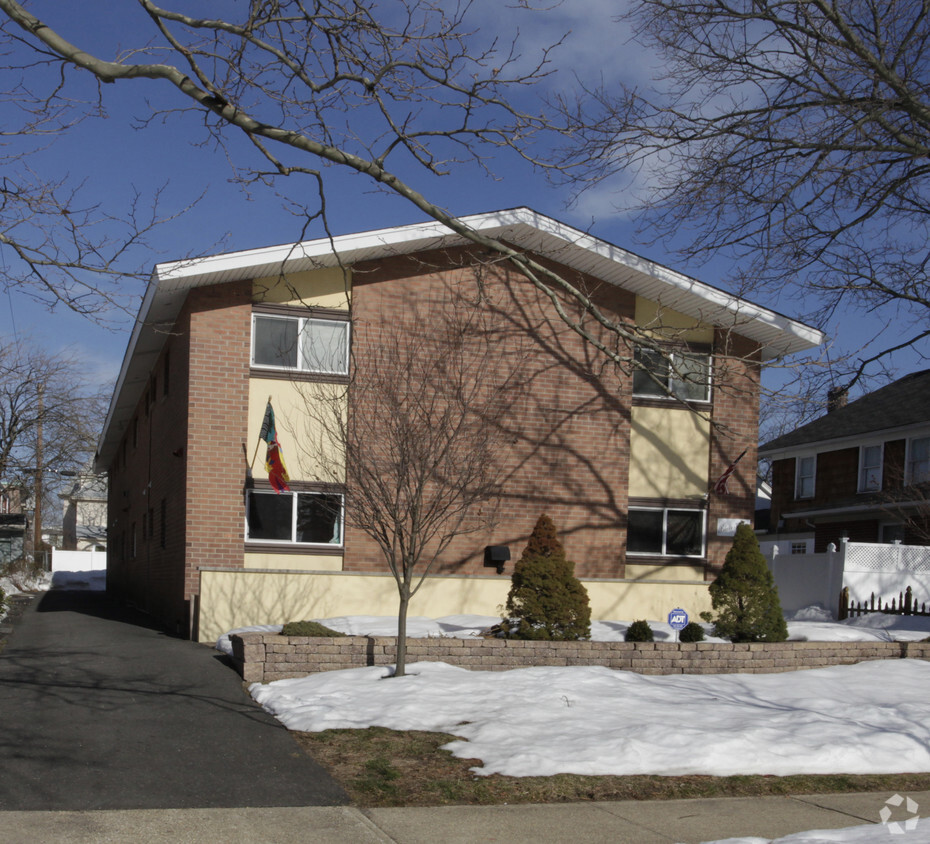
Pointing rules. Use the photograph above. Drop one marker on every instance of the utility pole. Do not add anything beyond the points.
(37, 527)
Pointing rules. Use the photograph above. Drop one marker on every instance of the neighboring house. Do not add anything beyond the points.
(860, 472)
(12, 525)
(625, 468)
(84, 513)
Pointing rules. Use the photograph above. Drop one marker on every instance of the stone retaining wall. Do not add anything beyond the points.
(265, 657)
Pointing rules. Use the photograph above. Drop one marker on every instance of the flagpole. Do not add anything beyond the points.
(252, 464)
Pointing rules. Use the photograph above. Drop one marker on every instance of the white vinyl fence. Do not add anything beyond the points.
(866, 568)
(78, 560)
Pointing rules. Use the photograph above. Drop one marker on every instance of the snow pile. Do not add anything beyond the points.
(868, 718)
(865, 834)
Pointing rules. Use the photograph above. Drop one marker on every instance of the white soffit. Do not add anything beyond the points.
(521, 227)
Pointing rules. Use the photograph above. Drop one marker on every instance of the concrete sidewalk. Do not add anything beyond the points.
(636, 822)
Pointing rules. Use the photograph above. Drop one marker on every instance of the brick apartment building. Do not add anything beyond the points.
(626, 468)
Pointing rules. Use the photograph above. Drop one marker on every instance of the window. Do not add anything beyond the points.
(870, 468)
(918, 461)
(306, 517)
(804, 481)
(799, 547)
(666, 531)
(307, 345)
(674, 374)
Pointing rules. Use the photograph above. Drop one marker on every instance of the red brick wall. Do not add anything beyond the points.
(150, 474)
(735, 427)
(187, 454)
(570, 437)
(219, 320)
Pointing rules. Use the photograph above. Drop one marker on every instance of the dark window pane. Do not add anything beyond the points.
(644, 532)
(275, 341)
(270, 515)
(319, 518)
(649, 363)
(683, 535)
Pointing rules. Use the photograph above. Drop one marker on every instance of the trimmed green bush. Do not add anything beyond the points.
(308, 628)
(744, 595)
(546, 600)
(691, 632)
(639, 631)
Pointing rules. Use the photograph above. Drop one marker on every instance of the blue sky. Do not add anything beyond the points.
(113, 160)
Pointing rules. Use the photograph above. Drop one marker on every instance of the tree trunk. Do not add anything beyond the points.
(401, 666)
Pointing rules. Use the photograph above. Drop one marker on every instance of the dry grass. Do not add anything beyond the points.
(381, 767)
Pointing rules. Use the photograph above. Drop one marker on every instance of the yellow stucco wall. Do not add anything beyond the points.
(295, 562)
(671, 325)
(669, 453)
(324, 288)
(303, 438)
(232, 599)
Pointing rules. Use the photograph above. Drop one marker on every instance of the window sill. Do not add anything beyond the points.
(654, 401)
(262, 547)
(646, 559)
(282, 374)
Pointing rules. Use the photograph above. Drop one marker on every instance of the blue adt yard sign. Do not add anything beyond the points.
(678, 619)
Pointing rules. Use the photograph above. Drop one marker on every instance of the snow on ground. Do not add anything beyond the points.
(82, 580)
(873, 717)
(865, 834)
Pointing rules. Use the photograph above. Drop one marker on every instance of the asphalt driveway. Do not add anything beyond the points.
(101, 710)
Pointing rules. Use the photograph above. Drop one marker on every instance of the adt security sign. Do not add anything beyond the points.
(678, 619)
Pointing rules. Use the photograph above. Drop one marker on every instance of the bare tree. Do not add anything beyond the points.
(60, 247)
(49, 419)
(790, 134)
(417, 440)
(380, 90)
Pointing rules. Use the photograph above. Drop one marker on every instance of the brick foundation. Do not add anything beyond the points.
(265, 657)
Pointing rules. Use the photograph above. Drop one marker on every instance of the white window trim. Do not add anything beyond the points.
(861, 485)
(665, 511)
(709, 359)
(797, 477)
(293, 542)
(302, 323)
(908, 459)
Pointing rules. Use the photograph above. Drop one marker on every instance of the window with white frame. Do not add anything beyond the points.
(665, 531)
(671, 374)
(804, 479)
(304, 344)
(918, 460)
(870, 468)
(313, 518)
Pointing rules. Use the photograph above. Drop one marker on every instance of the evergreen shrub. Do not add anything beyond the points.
(308, 628)
(546, 600)
(744, 595)
(691, 632)
(639, 631)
